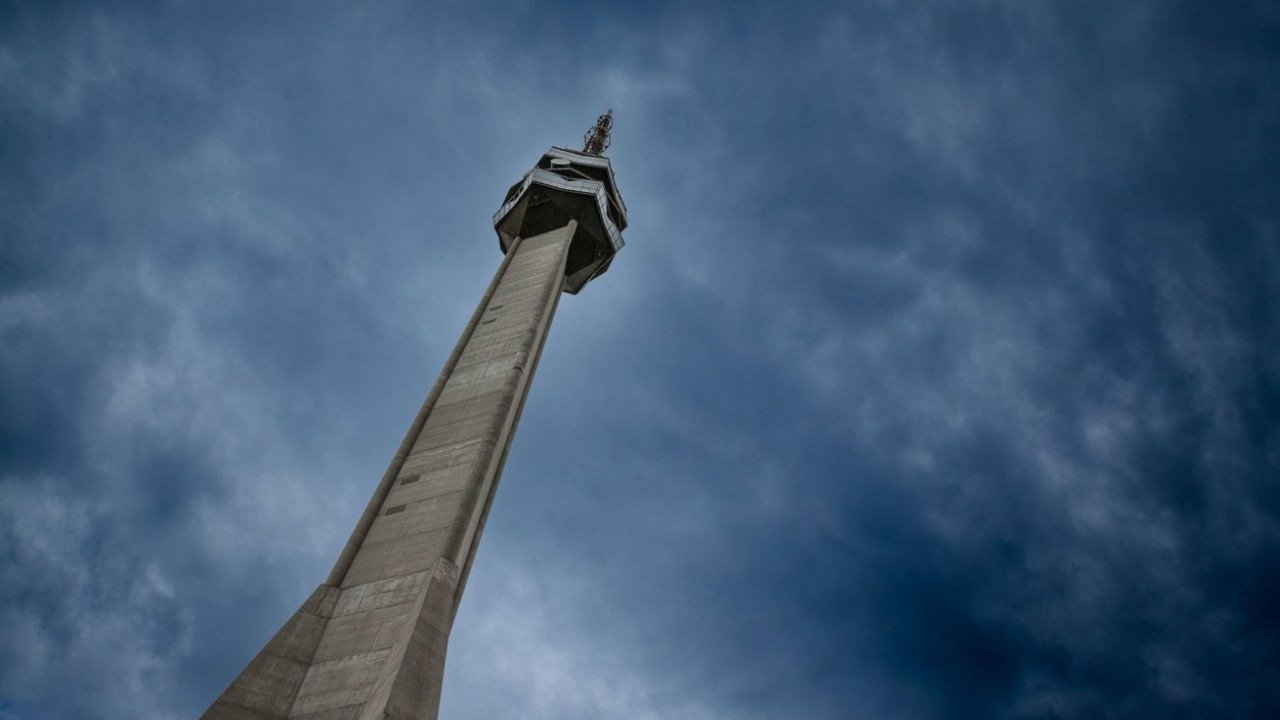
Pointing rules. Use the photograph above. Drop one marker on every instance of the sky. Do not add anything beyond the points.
(939, 377)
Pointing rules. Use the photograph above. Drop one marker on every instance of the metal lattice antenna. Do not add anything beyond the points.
(596, 141)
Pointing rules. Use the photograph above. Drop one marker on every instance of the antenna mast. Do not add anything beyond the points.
(596, 141)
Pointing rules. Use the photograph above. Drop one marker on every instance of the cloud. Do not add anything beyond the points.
(526, 651)
(937, 378)
(80, 616)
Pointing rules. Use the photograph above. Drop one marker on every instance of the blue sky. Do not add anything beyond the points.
(939, 378)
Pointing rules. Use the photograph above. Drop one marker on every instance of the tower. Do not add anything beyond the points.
(370, 642)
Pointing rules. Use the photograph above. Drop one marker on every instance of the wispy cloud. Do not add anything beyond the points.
(937, 378)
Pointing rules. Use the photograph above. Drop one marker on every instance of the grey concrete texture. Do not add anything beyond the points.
(370, 643)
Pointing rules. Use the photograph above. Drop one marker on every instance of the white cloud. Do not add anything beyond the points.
(525, 652)
(99, 635)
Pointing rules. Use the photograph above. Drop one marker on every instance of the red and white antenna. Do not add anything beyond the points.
(596, 141)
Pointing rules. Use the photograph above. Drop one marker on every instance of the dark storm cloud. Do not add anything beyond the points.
(940, 378)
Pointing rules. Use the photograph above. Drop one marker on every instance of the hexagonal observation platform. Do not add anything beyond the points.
(568, 185)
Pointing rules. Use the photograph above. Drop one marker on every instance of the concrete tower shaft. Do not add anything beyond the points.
(369, 644)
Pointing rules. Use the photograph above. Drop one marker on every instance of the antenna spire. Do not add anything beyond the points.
(596, 140)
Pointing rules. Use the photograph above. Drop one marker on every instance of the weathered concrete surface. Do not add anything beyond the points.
(370, 643)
